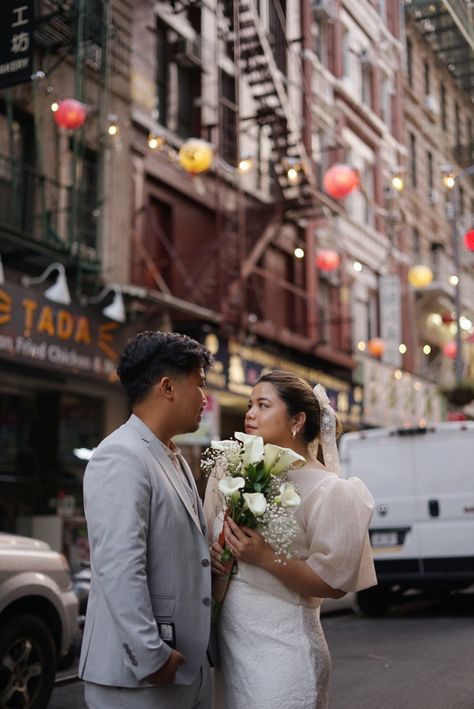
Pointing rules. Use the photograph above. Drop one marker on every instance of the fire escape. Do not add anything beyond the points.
(51, 214)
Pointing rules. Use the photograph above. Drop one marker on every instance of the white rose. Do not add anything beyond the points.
(277, 459)
(255, 502)
(288, 495)
(229, 486)
(253, 448)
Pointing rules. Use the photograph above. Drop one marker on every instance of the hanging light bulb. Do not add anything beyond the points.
(245, 164)
(298, 252)
(112, 128)
(155, 141)
(55, 106)
(398, 183)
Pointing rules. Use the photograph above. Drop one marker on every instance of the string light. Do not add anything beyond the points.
(426, 349)
(155, 141)
(398, 374)
(361, 346)
(402, 348)
(357, 266)
(298, 252)
(245, 164)
(453, 280)
(112, 128)
(54, 106)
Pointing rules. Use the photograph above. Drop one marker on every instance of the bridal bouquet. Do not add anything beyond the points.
(255, 492)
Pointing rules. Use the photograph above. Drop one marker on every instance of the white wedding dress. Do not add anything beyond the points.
(272, 648)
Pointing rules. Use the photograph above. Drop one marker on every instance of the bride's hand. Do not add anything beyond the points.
(246, 544)
(220, 568)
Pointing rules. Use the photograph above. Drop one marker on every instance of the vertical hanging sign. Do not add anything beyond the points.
(16, 41)
(391, 318)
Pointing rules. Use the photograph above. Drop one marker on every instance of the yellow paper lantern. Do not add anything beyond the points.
(420, 276)
(196, 156)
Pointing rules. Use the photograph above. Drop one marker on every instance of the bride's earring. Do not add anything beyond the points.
(294, 431)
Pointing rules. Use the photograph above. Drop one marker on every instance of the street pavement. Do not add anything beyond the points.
(419, 656)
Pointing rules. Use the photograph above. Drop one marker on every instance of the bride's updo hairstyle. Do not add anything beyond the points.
(298, 397)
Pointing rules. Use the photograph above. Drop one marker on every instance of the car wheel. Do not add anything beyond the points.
(27, 663)
(374, 601)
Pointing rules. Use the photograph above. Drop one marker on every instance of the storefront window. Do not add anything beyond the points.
(39, 432)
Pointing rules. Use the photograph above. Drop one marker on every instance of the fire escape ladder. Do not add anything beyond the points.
(273, 108)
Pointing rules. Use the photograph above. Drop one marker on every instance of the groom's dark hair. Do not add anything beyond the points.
(152, 354)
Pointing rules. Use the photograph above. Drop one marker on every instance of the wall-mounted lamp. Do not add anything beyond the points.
(116, 309)
(58, 292)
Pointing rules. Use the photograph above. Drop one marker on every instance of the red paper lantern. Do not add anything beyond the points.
(376, 346)
(447, 318)
(469, 240)
(450, 349)
(327, 260)
(340, 180)
(71, 114)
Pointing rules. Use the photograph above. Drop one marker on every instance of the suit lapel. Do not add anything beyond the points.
(172, 475)
(192, 483)
(159, 452)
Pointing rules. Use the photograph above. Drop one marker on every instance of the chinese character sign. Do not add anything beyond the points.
(391, 319)
(16, 41)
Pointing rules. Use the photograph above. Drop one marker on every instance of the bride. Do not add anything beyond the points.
(272, 649)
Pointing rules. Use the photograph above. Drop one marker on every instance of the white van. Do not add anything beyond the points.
(422, 531)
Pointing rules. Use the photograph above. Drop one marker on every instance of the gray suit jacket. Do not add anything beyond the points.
(150, 562)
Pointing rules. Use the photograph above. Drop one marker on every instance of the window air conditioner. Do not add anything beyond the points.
(431, 104)
(365, 57)
(187, 52)
(324, 10)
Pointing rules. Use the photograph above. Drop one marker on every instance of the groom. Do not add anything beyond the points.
(148, 616)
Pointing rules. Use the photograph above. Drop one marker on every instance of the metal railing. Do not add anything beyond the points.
(37, 208)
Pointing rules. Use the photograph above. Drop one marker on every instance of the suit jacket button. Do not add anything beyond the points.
(205, 562)
(206, 601)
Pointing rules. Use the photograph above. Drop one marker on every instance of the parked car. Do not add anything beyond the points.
(422, 532)
(38, 620)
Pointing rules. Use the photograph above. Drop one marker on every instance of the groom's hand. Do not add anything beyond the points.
(166, 673)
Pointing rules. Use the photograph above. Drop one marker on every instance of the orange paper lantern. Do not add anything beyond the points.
(469, 240)
(450, 349)
(327, 260)
(340, 180)
(376, 346)
(71, 114)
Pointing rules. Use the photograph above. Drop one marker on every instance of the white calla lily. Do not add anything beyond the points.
(253, 448)
(222, 445)
(288, 495)
(278, 459)
(255, 502)
(229, 486)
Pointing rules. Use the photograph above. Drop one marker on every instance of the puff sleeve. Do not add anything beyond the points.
(338, 514)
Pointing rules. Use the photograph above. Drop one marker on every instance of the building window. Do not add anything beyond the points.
(368, 181)
(416, 245)
(345, 44)
(413, 170)
(277, 28)
(457, 125)
(386, 101)
(409, 60)
(426, 78)
(162, 74)
(188, 119)
(429, 159)
(443, 107)
(367, 85)
(229, 146)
